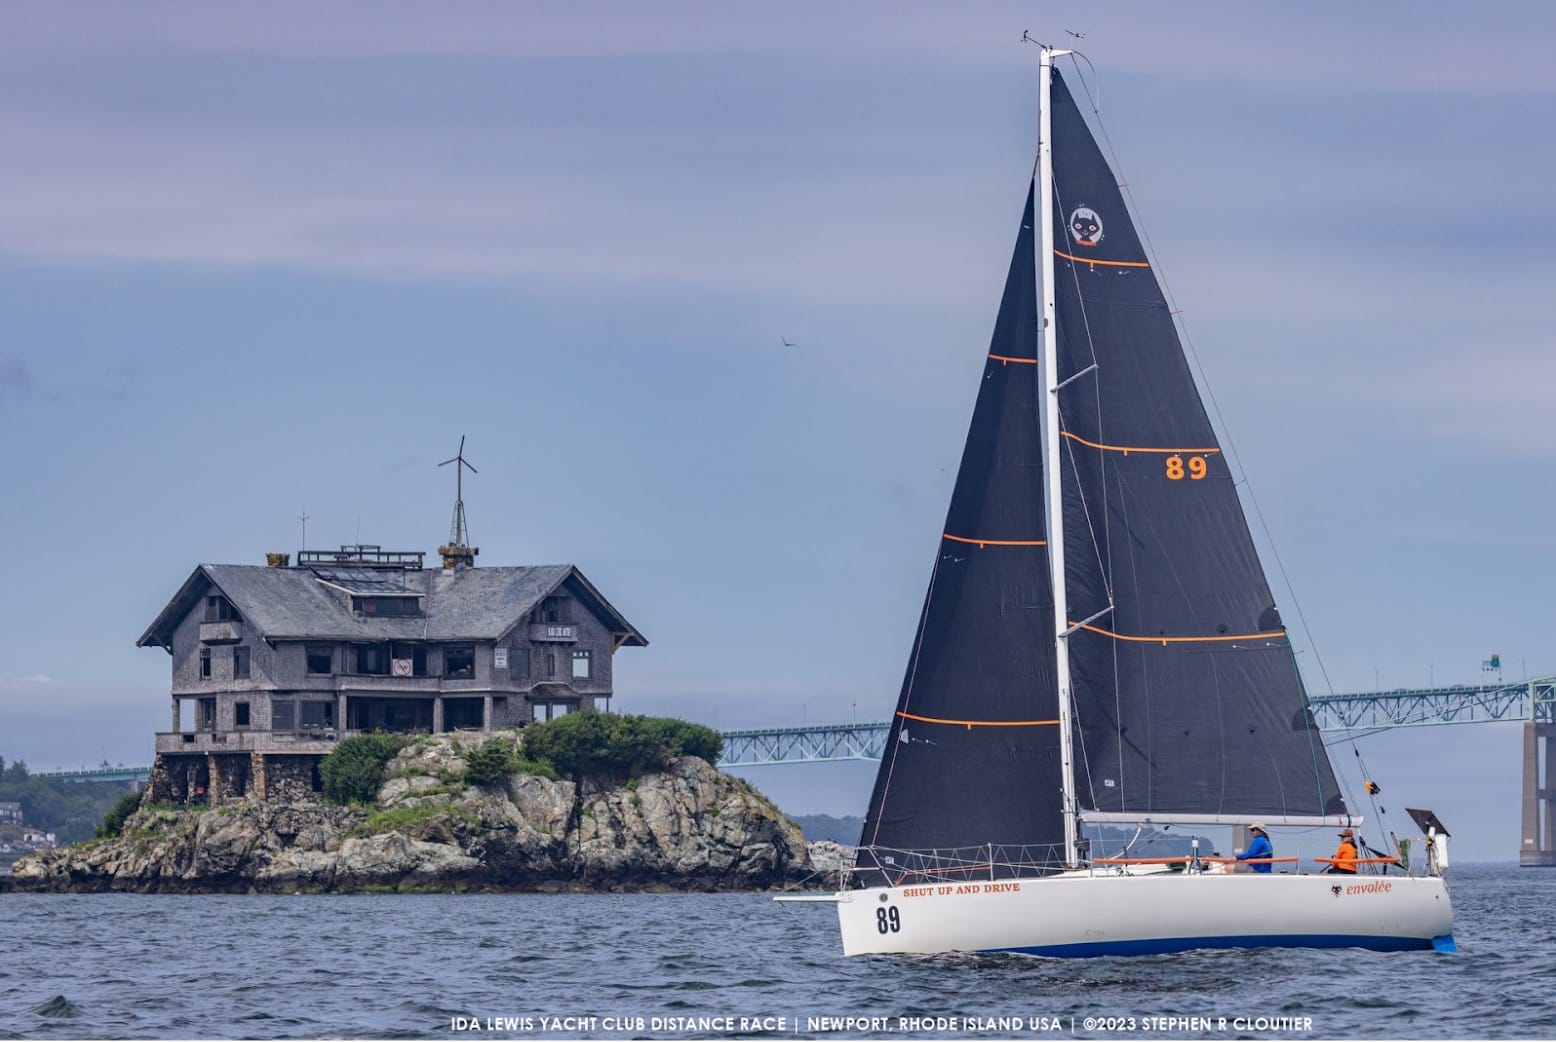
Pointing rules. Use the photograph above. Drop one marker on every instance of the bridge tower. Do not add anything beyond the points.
(1539, 841)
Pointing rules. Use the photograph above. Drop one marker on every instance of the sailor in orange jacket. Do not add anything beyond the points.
(1345, 857)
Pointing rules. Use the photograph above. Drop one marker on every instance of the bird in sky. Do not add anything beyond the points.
(786, 342)
(1078, 36)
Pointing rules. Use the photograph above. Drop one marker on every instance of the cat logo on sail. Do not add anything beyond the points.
(1085, 226)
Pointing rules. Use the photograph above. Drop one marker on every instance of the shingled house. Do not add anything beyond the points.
(273, 664)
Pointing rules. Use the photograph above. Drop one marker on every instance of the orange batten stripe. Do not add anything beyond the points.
(1111, 264)
(1164, 641)
(1007, 358)
(981, 543)
(1127, 449)
(978, 723)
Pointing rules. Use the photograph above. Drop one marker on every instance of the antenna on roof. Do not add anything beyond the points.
(303, 517)
(459, 553)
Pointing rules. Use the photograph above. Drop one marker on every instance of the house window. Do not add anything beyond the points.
(371, 659)
(551, 610)
(321, 658)
(205, 663)
(384, 605)
(318, 716)
(415, 654)
(219, 609)
(552, 710)
(240, 714)
(518, 663)
(283, 715)
(459, 660)
(240, 660)
(581, 662)
(205, 714)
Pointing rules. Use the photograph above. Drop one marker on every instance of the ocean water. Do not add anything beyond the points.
(692, 966)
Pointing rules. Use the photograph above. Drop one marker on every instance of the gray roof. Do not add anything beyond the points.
(463, 604)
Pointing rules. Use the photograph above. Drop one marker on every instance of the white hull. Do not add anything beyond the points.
(1083, 914)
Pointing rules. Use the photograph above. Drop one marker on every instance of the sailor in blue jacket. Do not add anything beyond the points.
(1260, 847)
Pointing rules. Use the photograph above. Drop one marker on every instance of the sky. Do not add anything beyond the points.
(258, 262)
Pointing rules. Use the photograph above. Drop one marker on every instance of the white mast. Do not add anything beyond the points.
(1055, 502)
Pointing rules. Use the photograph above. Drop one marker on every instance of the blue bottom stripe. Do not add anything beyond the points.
(1162, 945)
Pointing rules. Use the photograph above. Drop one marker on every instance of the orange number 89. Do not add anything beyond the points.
(1197, 468)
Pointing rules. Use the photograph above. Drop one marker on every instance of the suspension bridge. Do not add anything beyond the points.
(1531, 701)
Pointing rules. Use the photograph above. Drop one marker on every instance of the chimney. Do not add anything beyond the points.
(457, 555)
(278, 560)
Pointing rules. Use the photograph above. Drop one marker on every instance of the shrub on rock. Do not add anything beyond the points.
(353, 772)
(617, 746)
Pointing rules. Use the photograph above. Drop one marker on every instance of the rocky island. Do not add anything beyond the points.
(443, 819)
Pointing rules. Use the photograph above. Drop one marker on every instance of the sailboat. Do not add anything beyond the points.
(1099, 644)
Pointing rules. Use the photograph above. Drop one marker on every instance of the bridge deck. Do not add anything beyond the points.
(1530, 699)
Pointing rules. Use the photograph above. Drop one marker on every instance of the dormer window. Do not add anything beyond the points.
(385, 606)
(219, 609)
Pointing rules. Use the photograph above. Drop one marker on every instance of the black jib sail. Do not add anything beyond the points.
(1187, 696)
(971, 771)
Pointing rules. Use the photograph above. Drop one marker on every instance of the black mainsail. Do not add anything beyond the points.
(1186, 700)
(1186, 694)
(972, 760)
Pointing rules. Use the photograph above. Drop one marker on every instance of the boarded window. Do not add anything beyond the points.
(240, 714)
(518, 663)
(240, 661)
(283, 715)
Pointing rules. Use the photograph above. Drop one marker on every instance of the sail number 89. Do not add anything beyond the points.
(1175, 469)
(887, 920)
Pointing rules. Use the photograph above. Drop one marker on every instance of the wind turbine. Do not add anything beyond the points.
(459, 535)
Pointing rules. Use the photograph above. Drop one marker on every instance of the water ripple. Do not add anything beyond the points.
(393, 966)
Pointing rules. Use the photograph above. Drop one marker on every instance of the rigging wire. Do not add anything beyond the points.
(1188, 340)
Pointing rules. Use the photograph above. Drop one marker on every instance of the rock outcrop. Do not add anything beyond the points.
(686, 827)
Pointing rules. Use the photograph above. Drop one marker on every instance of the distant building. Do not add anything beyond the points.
(273, 664)
(10, 813)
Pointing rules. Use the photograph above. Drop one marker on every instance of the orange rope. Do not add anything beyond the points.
(981, 543)
(1164, 641)
(1127, 449)
(970, 724)
(1111, 264)
(1007, 358)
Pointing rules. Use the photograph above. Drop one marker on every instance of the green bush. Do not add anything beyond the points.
(617, 746)
(490, 765)
(113, 821)
(353, 772)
